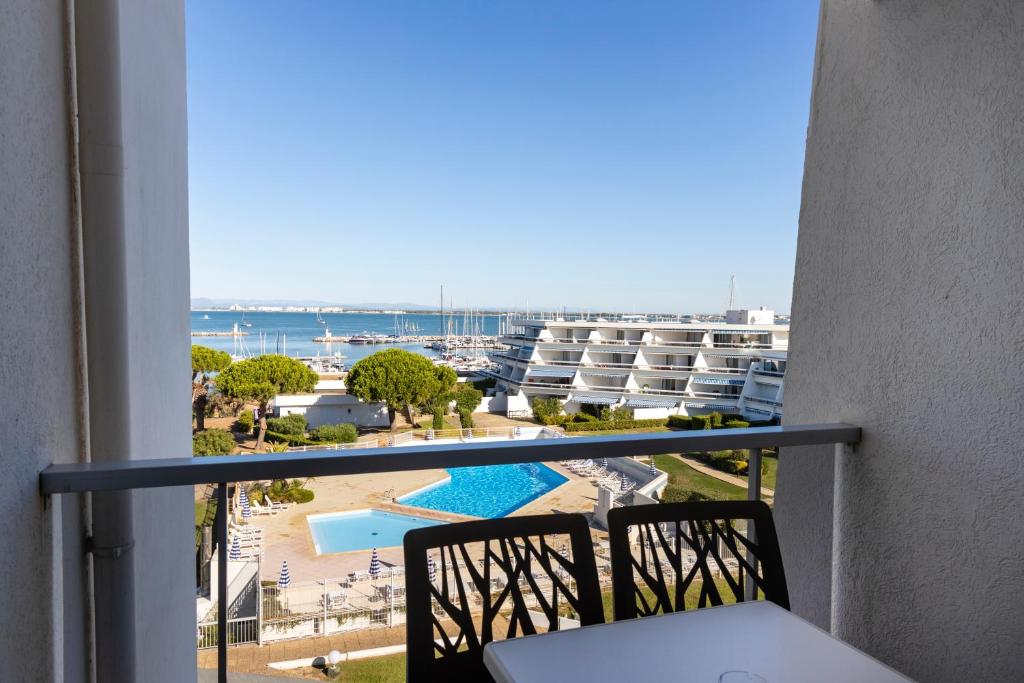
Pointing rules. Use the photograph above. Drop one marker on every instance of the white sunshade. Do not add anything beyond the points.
(595, 400)
(551, 372)
(651, 403)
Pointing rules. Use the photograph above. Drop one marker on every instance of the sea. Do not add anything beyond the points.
(291, 333)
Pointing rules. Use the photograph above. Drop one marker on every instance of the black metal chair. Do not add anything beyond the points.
(682, 548)
(488, 571)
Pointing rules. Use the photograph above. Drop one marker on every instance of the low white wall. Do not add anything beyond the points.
(323, 409)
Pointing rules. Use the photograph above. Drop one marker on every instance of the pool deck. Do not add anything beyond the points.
(288, 537)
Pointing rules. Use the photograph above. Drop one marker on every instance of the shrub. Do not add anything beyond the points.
(728, 417)
(736, 424)
(547, 410)
(675, 493)
(602, 425)
(765, 423)
(716, 420)
(293, 424)
(213, 442)
(466, 419)
(245, 423)
(733, 462)
(700, 421)
(290, 439)
(437, 420)
(282, 490)
(582, 417)
(680, 422)
(485, 384)
(340, 433)
(621, 414)
(466, 398)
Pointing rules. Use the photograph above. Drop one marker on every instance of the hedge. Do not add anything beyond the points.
(736, 424)
(244, 423)
(293, 424)
(733, 462)
(700, 422)
(339, 433)
(680, 421)
(604, 425)
(465, 418)
(676, 493)
(290, 439)
(213, 442)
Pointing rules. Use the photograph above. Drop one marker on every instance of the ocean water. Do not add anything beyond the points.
(293, 332)
(488, 491)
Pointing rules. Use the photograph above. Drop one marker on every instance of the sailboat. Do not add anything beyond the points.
(245, 323)
(320, 318)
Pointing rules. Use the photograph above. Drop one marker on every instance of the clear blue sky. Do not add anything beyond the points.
(601, 155)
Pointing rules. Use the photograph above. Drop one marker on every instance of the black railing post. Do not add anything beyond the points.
(222, 582)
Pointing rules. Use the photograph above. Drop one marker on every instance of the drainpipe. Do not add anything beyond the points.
(98, 64)
(78, 315)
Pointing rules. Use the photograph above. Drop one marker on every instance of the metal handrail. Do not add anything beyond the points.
(138, 474)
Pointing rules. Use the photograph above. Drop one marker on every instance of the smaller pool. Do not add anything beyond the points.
(342, 532)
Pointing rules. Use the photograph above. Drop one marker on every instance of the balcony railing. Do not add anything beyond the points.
(220, 471)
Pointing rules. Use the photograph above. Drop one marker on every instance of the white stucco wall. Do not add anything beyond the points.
(156, 212)
(42, 630)
(908, 297)
(37, 376)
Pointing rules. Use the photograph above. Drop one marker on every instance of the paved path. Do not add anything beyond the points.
(722, 476)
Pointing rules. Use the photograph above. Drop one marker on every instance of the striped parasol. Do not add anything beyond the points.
(285, 579)
(651, 469)
(243, 500)
(235, 551)
(625, 484)
(431, 569)
(604, 463)
(374, 564)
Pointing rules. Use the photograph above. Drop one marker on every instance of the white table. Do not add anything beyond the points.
(700, 645)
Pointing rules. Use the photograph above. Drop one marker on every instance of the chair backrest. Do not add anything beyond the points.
(490, 575)
(691, 555)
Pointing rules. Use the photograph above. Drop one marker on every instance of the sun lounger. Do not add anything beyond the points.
(275, 505)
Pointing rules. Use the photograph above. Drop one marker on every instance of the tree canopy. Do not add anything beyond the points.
(400, 379)
(263, 377)
(205, 359)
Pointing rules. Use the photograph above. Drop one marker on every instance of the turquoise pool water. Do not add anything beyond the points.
(341, 532)
(488, 491)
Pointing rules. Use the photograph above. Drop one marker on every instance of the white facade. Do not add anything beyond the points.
(331, 409)
(655, 368)
(911, 546)
(44, 633)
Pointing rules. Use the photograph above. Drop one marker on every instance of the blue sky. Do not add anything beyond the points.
(600, 155)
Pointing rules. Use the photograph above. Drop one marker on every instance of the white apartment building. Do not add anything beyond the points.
(655, 367)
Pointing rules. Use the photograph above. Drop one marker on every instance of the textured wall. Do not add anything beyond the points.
(156, 213)
(907, 321)
(37, 377)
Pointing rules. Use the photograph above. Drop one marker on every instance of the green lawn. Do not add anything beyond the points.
(682, 474)
(769, 467)
(201, 510)
(374, 670)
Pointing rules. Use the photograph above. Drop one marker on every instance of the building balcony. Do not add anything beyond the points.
(305, 610)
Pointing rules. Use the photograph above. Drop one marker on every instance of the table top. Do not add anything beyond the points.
(758, 638)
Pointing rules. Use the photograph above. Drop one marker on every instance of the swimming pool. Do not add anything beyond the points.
(340, 532)
(487, 491)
